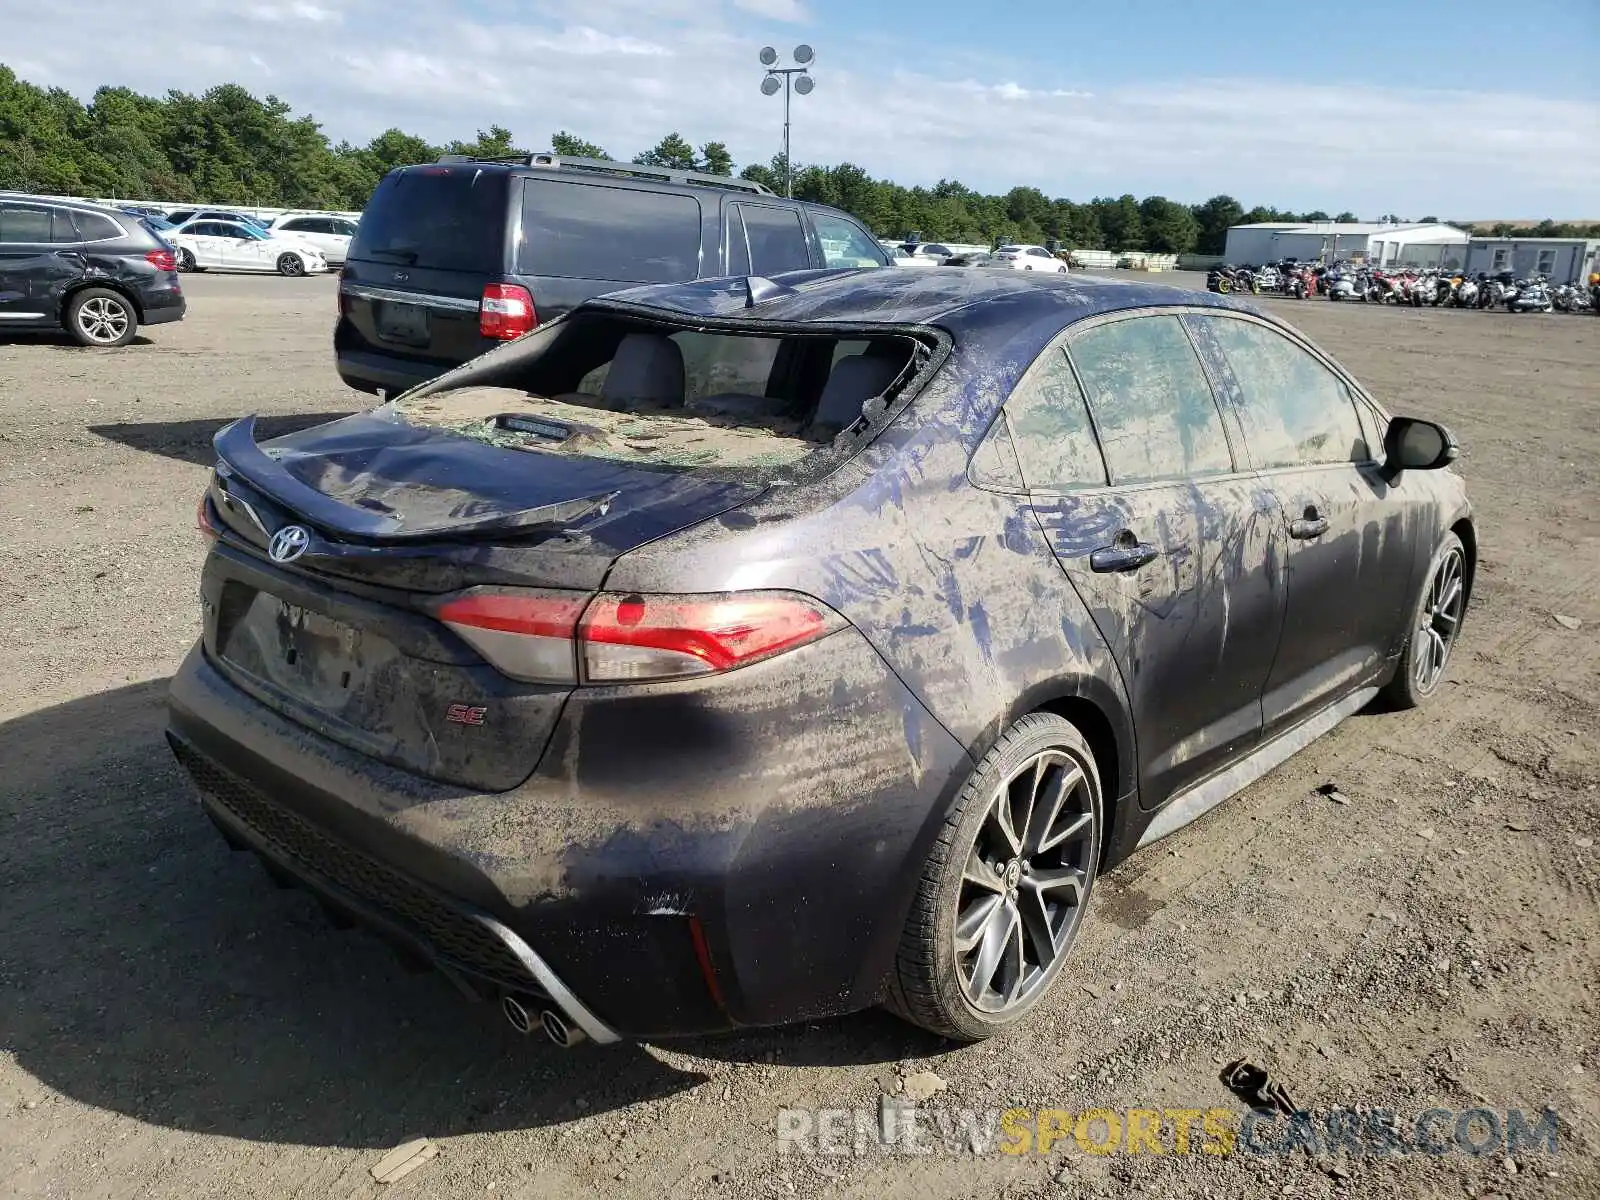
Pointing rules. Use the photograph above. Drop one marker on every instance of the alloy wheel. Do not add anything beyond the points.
(290, 264)
(1025, 882)
(102, 319)
(1440, 620)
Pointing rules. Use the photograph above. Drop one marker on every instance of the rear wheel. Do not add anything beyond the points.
(1435, 625)
(291, 265)
(1005, 886)
(101, 317)
(185, 260)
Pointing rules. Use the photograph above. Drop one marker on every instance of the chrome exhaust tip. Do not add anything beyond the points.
(520, 1018)
(557, 1029)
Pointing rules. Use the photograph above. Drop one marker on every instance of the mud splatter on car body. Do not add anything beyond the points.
(741, 846)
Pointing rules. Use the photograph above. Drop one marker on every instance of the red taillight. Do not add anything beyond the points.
(527, 635)
(539, 636)
(162, 260)
(344, 297)
(506, 311)
(202, 519)
(668, 637)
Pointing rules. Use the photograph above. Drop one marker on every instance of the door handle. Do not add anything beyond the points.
(1127, 553)
(1312, 525)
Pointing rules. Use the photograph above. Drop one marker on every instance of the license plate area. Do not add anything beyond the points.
(399, 322)
(311, 657)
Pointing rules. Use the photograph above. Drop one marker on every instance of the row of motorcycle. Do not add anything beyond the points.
(1418, 289)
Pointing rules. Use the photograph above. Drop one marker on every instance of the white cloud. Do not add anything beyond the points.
(624, 72)
(299, 10)
(775, 10)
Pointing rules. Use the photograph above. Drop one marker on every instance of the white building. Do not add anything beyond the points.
(1561, 260)
(1379, 245)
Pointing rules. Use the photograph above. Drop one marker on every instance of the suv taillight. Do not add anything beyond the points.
(553, 637)
(344, 296)
(162, 260)
(506, 311)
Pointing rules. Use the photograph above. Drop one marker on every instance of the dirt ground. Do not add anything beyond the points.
(173, 1026)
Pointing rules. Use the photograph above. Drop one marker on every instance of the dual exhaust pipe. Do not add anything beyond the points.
(555, 1025)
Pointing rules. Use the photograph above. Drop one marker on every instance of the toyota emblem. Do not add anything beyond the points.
(288, 544)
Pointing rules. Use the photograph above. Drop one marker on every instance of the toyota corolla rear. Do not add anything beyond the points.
(667, 810)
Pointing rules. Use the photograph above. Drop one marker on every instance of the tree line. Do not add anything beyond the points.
(226, 146)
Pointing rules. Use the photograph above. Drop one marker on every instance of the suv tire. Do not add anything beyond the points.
(101, 317)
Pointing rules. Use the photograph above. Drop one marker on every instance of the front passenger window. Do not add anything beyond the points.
(1295, 411)
(1151, 401)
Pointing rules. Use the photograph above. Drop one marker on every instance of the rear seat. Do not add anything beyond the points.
(646, 369)
(855, 379)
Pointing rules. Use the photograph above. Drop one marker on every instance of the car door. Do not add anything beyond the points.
(203, 237)
(37, 260)
(343, 231)
(1173, 545)
(1350, 561)
(236, 248)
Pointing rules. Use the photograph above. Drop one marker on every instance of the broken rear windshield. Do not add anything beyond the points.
(674, 399)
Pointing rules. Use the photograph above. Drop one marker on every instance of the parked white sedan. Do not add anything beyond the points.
(326, 232)
(232, 246)
(1027, 258)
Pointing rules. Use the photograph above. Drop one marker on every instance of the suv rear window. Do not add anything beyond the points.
(589, 231)
(448, 218)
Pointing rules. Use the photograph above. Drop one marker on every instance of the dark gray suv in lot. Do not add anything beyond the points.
(98, 273)
(454, 257)
(747, 651)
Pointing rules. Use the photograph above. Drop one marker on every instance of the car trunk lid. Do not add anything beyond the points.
(341, 637)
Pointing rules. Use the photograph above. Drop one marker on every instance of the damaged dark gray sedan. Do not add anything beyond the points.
(749, 651)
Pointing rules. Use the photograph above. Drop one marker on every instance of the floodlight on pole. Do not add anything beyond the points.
(795, 79)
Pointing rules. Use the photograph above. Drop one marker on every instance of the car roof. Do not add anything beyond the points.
(963, 303)
(63, 202)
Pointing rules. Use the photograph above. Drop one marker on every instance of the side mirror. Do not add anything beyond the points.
(1412, 444)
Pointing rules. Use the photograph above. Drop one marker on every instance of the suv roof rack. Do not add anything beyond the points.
(603, 166)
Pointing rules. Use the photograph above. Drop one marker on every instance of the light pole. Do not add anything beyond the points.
(803, 56)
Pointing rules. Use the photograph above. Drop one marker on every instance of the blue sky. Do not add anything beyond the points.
(1462, 109)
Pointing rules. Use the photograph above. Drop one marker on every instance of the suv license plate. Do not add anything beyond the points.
(402, 323)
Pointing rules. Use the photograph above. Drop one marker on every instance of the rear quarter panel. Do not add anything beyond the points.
(955, 588)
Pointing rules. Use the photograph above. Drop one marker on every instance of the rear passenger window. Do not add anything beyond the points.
(1153, 407)
(92, 227)
(1295, 411)
(1051, 428)
(29, 226)
(62, 228)
(628, 235)
(776, 239)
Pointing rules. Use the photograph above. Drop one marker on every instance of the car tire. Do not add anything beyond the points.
(1437, 616)
(291, 265)
(1015, 920)
(101, 317)
(186, 261)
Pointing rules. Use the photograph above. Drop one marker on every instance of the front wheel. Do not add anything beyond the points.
(1435, 625)
(291, 265)
(101, 317)
(1005, 887)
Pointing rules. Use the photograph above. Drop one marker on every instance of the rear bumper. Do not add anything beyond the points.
(372, 368)
(685, 859)
(163, 304)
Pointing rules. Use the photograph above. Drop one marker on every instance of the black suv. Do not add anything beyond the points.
(96, 272)
(454, 257)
